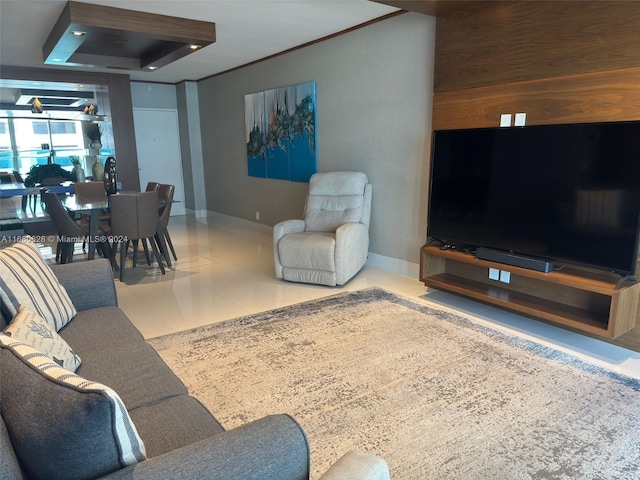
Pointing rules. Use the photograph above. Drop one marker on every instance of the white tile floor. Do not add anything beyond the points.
(225, 270)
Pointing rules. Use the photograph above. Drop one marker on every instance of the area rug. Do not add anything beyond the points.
(436, 395)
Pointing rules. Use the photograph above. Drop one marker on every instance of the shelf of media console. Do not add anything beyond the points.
(589, 301)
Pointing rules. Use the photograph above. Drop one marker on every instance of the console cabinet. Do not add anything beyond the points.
(580, 299)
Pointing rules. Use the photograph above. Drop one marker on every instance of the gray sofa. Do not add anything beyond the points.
(182, 439)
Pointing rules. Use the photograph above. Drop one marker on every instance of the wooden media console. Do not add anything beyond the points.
(581, 299)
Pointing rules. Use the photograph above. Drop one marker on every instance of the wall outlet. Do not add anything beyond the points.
(494, 274)
(521, 119)
(505, 120)
(257, 215)
(505, 277)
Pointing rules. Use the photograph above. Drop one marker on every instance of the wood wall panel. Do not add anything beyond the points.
(558, 62)
(595, 97)
(507, 42)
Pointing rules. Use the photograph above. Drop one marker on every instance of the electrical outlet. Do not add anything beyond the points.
(505, 277)
(521, 119)
(505, 120)
(257, 215)
(494, 273)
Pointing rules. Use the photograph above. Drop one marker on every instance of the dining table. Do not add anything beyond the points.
(94, 209)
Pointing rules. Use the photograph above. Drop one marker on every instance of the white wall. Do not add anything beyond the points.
(374, 99)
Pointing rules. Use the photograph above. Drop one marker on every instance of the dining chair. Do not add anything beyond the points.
(152, 186)
(165, 193)
(134, 216)
(69, 232)
(92, 192)
(27, 200)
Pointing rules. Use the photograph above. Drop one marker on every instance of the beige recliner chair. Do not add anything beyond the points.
(331, 244)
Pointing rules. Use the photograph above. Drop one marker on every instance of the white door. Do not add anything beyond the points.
(158, 147)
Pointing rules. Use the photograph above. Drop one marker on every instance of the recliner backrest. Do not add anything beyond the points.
(336, 198)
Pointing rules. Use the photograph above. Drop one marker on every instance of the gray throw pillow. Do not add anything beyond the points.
(62, 426)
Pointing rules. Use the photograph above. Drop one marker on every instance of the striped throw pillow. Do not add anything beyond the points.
(25, 278)
(73, 427)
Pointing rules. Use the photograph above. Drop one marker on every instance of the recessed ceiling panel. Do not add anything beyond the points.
(99, 36)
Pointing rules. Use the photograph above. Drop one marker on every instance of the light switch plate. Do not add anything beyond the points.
(505, 277)
(494, 274)
(505, 120)
(521, 119)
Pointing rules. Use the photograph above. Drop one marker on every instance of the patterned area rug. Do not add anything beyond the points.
(436, 395)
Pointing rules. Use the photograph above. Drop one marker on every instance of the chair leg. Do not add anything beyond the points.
(156, 253)
(123, 255)
(135, 252)
(112, 255)
(145, 245)
(167, 237)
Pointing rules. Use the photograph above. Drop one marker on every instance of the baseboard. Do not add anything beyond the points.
(395, 265)
(390, 264)
(240, 222)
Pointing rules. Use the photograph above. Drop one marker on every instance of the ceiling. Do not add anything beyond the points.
(246, 30)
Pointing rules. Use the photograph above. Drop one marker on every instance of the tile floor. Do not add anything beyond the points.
(225, 270)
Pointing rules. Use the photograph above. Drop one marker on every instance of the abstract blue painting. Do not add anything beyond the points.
(280, 129)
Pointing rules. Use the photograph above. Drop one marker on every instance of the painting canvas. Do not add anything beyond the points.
(281, 132)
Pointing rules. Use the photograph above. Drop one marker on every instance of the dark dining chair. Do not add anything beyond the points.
(27, 200)
(69, 232)
(152, 186)
(134, 216)
(165, 193)
(92, 192)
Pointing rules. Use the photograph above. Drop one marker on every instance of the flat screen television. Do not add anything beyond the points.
(567, 193)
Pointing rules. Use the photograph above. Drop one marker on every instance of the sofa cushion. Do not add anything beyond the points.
(173, 423)
(97, 327)
(9, 466)
(75, 428)
(32, 329)
(114, 352)
(25, 278)
(134, 370)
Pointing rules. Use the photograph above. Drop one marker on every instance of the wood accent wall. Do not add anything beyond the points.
(556, 61)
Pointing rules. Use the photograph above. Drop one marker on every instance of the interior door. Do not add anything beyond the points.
(158, 146)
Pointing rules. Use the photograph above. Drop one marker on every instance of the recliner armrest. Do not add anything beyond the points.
(273, 447)
(286, 227)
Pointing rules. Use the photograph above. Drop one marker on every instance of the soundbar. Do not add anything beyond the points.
(513, 259)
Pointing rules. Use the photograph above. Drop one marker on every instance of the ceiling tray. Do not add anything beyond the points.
(107, 37)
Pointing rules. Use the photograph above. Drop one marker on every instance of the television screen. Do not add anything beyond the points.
(568, 193)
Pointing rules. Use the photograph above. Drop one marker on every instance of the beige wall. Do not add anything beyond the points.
(374, 91)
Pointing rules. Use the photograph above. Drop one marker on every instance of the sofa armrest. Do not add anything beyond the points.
(273, 447)
(89, 284)
(357, 465)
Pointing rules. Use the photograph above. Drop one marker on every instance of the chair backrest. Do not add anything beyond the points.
(17, 176)
(134, 215)
(90, 192)
(165, 193)
(60, 217)
(152, 186)
(336, 198)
